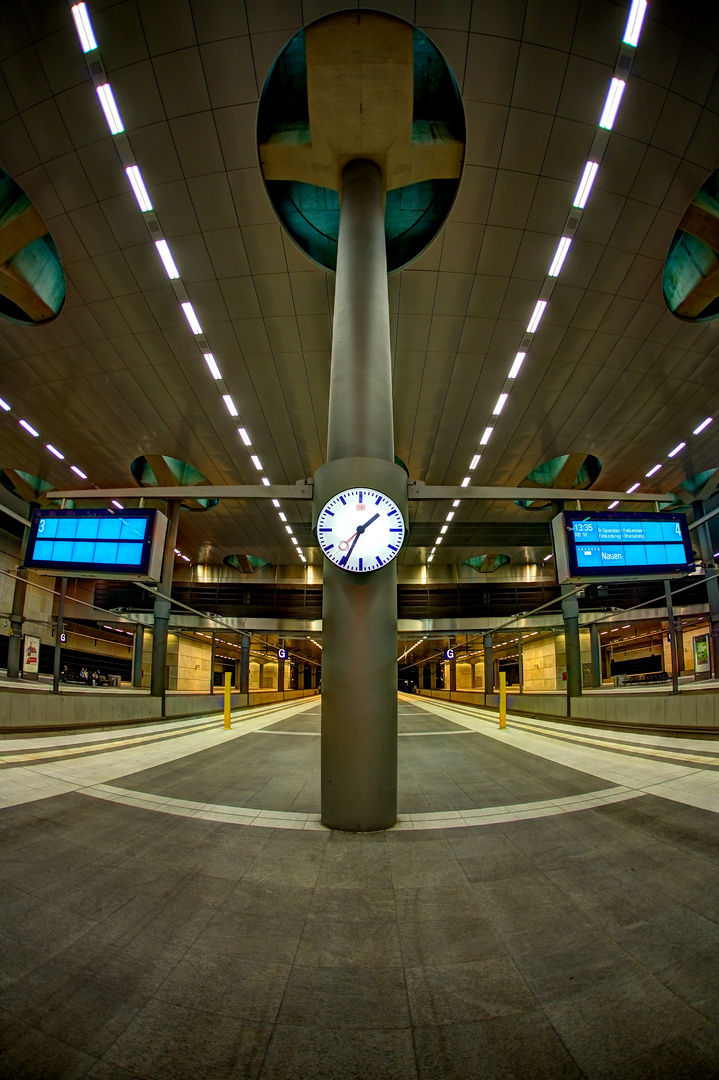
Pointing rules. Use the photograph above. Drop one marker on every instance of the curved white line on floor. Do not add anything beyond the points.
(283, 819)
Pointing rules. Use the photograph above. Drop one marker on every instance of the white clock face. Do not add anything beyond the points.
(360, 530)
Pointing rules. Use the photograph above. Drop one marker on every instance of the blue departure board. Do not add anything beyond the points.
(97, 543)
(617, 545)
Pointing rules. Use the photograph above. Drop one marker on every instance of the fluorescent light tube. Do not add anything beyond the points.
(167, 260)
(118, 504)
(475, 461)
(615, 503)
(138, 186)
(256, 462)
(28, 427)
(559, 256)
(518, 361)
(449, 516)
(282, 516)
(611, 105)
(79, 472)
(486, 435)
(585, 184)
(294, 540)
(110, 109)
(634, 23)
(439, 540)
(655, 469)
(83, 27)
(214, 370)
(456, 502)
(501, 401)
(265, 481)
(632, 488)
(57, 453)
(444, 529)
(466, 482)
(193, 321)
(675, 451)
(231, 407)
(696, 431)
(546, 557)
(275, 502)
(288, 528)
(245, 437)
(536, 316)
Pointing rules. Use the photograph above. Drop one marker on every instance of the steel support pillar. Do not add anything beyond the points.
(58, 632)
(138, 645)
(161, 617)
(14, 648)
(488, 664)
(712, 584)
(671, 633)
(359, 611)
(281, 668)
(520, 662)
(570, 615)
(596, 651)
(245, 664)
(453, 670)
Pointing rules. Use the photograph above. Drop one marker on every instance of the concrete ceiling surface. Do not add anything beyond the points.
(119, 374)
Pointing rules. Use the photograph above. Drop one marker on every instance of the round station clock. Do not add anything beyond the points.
(360, 529)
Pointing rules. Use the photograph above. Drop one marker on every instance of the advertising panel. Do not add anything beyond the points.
(31, 654)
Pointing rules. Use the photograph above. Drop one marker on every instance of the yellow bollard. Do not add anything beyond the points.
(502, 700)
(228, 699)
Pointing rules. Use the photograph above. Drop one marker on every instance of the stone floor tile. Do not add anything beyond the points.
(466, 992)
(350, 944)
(73, 1006)
(169, 1042)
(431, 942)
(298, 1054)
(502, 1048)
(29, 1054)
(226, 985)
(254, 937)
(335, 997)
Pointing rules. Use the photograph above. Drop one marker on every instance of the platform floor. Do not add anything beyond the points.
(546, 907)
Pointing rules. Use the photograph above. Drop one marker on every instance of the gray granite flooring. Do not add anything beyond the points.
(457, 771)
(136, 945)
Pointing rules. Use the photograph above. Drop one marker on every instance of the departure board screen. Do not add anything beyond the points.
(600, 545)
(97, 543)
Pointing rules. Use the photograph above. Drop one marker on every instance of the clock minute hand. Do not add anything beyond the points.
(360, 530)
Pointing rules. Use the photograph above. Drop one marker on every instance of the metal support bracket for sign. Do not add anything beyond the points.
(303, 490)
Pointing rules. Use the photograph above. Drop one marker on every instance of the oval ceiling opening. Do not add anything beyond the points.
(32, 281)
(690, 282)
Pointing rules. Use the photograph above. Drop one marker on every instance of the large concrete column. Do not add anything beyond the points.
(712, 584)
(570, 615)
(161, 617)
(453, 668)
(596, 650)
(245, 664)
(359, 611)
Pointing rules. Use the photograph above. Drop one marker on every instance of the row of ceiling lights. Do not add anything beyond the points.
(88, 43)
(606, 122)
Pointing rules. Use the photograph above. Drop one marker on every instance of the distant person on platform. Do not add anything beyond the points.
(64, 673)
